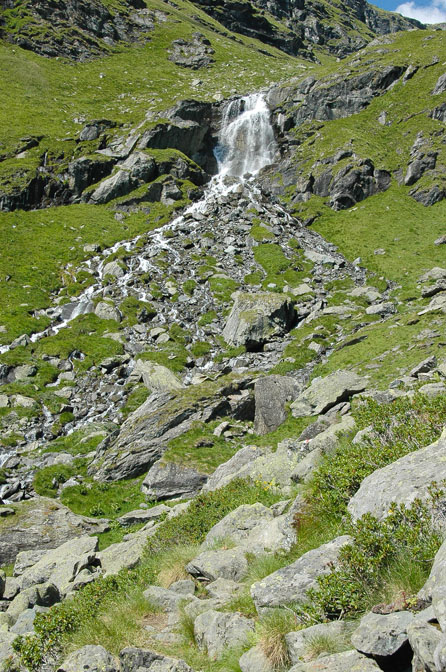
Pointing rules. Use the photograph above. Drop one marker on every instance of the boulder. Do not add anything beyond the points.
(424, 640)
(166, 480)
(42, 595)
(254, 528)
(384, 636)
(155, 377)
(401, 482)
(225, 564)
(144, 436)
(215, 631)
(119, 184)
(299, 642)
(113, 268)
(125, 554)
(194, 53)
(339, 662)
(61, 565)
(42, 523)
(255, 660)
(434, 590)
(256, 318)
(324, 393)
(166, 600)
(238, 466)
(291, 583)
(90, 658)
(24, 625)
(133, 659)
(271, 395)
(107, 311)
(440, 86)
(143, 515)
(26, 559)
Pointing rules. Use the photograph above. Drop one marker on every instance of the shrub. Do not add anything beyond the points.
(376, 550)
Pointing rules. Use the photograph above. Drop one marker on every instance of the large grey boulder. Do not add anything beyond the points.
(271, 395)
(291, 583)
(24, 624)
(90, 658)
(215, 631)
(299, 642)
(107, 311)
(225, 564)
(324, 393)
(255, 528)
(133, 659)
(126, 554)
(440, 86)
(26, 559)
(382, 635)
(144, 436)
(424, 639)
(401, 482)
(256, 318)
(143, 515)
(42, 595)
(254, 660)
(166, 480)
(164, 599)
(155, 377)
(119, 184)
(238, 466)
(339, 662)
(61, 565)
(42, 523)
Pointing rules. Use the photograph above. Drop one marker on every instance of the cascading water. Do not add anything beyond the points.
(246, 140)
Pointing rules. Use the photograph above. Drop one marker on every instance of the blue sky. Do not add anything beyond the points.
(427, 11)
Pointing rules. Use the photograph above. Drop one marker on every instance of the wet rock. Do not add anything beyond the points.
(113, 268)
(90, 658)
(291, 583)
(271, 395)
(256, 318)
(324, 393)
(401, 482)
(215, 631)
(106, 311)
(166, 480)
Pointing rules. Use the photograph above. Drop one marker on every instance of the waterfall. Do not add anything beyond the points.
(246, 140)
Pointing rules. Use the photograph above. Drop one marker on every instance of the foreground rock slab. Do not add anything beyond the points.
(42, 523)
(324, 393)
(401, 482)
(291, 584)
(339, 662)
(90, 658)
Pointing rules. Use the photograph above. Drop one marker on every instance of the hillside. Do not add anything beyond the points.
(222, 365)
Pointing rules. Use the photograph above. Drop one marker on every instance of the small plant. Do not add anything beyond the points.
(271, 631)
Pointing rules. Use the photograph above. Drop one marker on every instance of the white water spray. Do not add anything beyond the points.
(246, 141)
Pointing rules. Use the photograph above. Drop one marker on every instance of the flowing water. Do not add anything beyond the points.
(246, 144)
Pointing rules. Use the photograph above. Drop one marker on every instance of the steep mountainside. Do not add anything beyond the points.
(223, 301)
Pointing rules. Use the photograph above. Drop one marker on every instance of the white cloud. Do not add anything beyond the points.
(435, 12)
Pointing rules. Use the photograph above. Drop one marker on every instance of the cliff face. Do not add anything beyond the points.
(80, 30)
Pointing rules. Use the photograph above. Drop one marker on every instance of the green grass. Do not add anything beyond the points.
(200, 449)
(104, 500)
